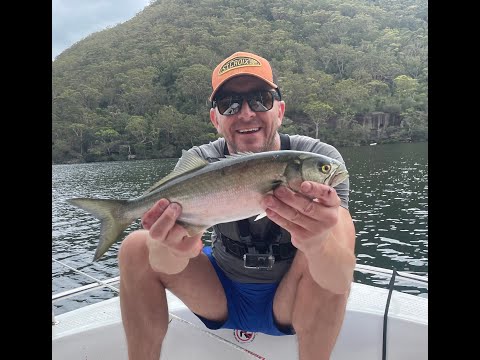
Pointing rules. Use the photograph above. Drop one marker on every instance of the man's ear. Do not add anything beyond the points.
(213, 118)
(281, 112)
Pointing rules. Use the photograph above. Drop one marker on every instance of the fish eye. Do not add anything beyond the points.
(325, 168)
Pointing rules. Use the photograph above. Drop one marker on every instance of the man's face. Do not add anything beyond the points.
(248, 130)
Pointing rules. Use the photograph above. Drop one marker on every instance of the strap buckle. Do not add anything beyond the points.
(258, 261)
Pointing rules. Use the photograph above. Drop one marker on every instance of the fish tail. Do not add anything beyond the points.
(112, 216)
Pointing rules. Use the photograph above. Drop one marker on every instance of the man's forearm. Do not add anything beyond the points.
(332, 266)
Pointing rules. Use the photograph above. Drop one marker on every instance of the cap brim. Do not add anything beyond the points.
(275, 86)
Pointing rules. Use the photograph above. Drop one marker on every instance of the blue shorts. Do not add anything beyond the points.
(250, 306)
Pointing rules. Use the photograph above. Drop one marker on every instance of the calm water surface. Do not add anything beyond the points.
(388, 203)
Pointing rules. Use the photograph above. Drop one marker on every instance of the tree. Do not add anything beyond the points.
(78, 130)
(138, 127)
(193, 83)
(319, 113)
(107, 136)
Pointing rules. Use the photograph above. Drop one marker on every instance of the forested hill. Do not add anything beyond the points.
(350, 71)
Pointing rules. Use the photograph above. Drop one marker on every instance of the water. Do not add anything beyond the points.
(389, 206)
(388, 203)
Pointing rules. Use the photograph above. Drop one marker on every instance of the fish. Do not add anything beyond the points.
(210, 193)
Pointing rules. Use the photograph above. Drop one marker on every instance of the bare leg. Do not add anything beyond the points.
(315, 313)
(143, 299)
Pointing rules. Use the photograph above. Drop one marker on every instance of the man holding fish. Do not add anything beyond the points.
(285, 273)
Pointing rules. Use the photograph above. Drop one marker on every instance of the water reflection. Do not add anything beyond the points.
(389, 205)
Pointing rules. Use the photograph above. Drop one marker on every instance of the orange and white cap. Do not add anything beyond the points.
(241, 63)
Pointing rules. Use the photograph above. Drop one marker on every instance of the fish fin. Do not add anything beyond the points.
(277, 182)
(109, 212)
(187, 163)
(260, 216)
(192, 229)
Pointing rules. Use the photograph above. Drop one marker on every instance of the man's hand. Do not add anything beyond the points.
(320, 228)
(170, 247)
(308, 216)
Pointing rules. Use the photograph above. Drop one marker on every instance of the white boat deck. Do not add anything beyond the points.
(96, 332)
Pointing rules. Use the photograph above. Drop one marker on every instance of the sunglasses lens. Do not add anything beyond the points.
(229, 105)
(259, 101)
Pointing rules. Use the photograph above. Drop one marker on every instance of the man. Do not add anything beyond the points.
(304, 291)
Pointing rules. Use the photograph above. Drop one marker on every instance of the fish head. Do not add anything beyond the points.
(323, 170)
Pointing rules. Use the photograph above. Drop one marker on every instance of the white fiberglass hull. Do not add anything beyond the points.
(96, 332)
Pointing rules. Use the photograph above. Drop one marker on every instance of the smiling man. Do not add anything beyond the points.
(288, 273)
(246, 76)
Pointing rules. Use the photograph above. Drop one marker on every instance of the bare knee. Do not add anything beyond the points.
(133, 251)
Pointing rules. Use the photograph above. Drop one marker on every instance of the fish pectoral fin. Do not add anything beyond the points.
(260, 216)
(192, 229)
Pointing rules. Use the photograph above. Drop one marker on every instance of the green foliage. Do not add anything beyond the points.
(319, 113)
(143, 84)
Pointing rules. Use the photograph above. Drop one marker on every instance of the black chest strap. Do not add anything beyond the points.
(284, 142)
(270, 241)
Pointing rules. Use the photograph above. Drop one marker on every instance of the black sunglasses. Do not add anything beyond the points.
(258, 101)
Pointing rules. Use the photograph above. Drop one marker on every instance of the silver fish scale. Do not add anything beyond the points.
(229, 194)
